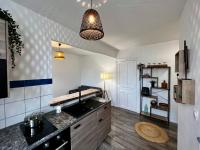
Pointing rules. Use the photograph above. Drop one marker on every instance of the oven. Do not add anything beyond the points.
(61, 141)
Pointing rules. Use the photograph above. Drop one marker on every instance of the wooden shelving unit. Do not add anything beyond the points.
(166, 109)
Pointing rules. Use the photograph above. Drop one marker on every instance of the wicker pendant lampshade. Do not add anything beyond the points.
(91, 27)
(59, 55)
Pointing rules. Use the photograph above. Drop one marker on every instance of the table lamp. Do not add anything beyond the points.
(105, 76)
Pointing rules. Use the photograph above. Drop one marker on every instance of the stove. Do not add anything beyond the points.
(33, 135)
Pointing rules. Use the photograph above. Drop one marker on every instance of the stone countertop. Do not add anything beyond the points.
(11, 138)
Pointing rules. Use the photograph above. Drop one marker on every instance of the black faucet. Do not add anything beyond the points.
(79, 97)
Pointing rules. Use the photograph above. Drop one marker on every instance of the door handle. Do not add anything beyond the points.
(76, 127)
(61, 146)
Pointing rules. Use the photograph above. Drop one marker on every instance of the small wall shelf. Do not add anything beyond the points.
(184, 92)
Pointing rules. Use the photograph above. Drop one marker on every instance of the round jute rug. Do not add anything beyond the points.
(151, 132)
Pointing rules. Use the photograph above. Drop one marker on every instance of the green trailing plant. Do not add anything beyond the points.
(14, 37)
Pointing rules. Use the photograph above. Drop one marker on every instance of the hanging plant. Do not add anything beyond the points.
(14, 37)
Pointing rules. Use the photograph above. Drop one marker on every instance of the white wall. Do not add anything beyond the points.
(188, 129)
(92, 66)
(156, 53)
(66, 74)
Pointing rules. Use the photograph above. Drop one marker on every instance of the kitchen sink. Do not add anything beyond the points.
(79, 109)
(91, 104)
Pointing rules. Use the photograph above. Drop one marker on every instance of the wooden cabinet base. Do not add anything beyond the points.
(89, 132)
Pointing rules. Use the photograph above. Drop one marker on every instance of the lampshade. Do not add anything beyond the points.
(106, 76)
(91, 27)
(59, 55)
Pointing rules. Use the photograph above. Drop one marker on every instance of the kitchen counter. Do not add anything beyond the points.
(11, 138)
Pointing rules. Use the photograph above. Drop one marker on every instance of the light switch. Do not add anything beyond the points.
(196, 114)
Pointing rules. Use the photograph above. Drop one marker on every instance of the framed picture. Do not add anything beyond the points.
(3, 59)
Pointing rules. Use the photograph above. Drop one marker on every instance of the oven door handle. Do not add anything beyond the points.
(61, 146)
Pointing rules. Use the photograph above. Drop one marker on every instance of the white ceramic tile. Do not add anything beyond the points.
(33, 111)
(2, 101)
(47, 109)
(32, 92)
(46, 89)
(2, 115)
(13, 120)
(2, 124)
(45, 100)
(15, 108)
(32, 104)
(16, 94)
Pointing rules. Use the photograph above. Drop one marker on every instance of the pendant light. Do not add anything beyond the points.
(59, 55)
(91, 27)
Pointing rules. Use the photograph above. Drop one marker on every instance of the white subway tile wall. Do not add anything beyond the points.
(15, 108)
(24, 101)
(16, 94)
(32, 104)
(2, 101)
(46, 90)
(45, 100)
(32, 92)
(13, 120)
(2, 112)
(2, 124)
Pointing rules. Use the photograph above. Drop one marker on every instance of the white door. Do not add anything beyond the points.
(127, 73)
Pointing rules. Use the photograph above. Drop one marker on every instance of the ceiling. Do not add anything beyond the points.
(127, 23)
(69, 49)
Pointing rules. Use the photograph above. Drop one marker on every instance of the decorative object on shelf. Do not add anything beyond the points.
(164, 106)
(146, 109)
(146, 75)
(151, 132)
(165, 63)
(152, 83)
(105, 76)
(159, 65)
(140, 65)
(154, 103)
(145, 91)
(91, 27)
(14, 37)
(59, 55)
(164, 85)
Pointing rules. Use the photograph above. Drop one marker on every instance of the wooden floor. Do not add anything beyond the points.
(124, 137)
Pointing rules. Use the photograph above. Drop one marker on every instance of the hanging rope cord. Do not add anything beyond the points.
(91, 4)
